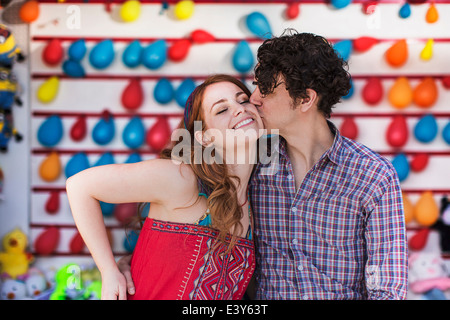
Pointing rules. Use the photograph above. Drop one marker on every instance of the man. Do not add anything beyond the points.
(328, 213)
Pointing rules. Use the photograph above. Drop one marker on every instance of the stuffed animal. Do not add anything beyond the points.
(7, 130)
(428, 277)
(14, 261)
(442, 225)
(12, 289)
(9, 51)
(9, 90)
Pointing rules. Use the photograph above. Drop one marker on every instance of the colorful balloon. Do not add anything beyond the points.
(397, 133)
(130, 241)
(427, 51)
(397, 54)
(425, 93)
(133, 95)
(48, 90)
(369, 7)
(52, 204)
(373, 91)
(258, 24)
(163, 91)
(107, 208)
(400, 94)
(102, 55)
(349, 128)
(77, 50)
(293, 10)
(47, 242)
(184, 9)
(124, 212)
(350, 91)
(408, 208)
(419, 162)
(155, 54)
(344, 48)
(76, 244)
(132, 54)
(426, 129)
(426, 210)
(446, 82)
(50, 131)
(183, 92)
(179, 50)
(29, 11)
(446, 133)
(73, 69)
(159, 134)
(242, 59)
(401, 165)
(79, 128)
(105, 159)
(104, 130)
(339, 4)
(432, 14)
(130, 10)
(405, 11)
(77, 163)
(133, 158)
(53, 52)
(50, 167)
(201, 36)
(363, 44)
(134, 133)
(419, 239)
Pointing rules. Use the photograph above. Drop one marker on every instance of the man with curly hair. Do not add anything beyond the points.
(328, 214)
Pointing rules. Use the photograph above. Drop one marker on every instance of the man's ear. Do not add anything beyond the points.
(309, 101)
(202, 138)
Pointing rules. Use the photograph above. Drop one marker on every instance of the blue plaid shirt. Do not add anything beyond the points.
(341, 235)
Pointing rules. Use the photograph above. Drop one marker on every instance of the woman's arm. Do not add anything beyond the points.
(147, 181)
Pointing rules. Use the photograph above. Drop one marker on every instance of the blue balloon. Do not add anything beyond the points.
(426, 128)
(130, 240)
(134, 133)
(183, 91)
(133, 158)
(344, 48)
(258, 24)
(104, 130)
(73, 69)
(77, 163)
(107, 208)
(106, 158)
(405, 11)
(77, 50)
(50, 131)
(350, 92)
(401, 165)
(163, 92)
(131, 56)
(102, 55)
(339, 4)
(446, 133)
(243, 57)
(155, 54)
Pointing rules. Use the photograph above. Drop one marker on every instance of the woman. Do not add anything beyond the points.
(196, 241)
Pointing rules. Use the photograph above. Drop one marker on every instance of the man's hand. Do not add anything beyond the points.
(124, 265)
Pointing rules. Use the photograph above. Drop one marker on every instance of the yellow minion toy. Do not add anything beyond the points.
(9, 51)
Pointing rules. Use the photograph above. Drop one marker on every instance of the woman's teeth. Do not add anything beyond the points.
(242, 123)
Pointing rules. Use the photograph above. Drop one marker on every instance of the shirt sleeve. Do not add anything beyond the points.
(386, 269)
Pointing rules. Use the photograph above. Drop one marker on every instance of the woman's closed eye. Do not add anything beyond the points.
(222, 111)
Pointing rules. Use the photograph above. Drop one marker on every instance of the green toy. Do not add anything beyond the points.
(68, 283)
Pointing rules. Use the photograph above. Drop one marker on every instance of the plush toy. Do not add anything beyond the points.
(35, 284)
(68, 283)
(12, 289)
(9, 90)
(9, 51)
(14, 260)
(7, 130)
(428, 277)
(442, 225)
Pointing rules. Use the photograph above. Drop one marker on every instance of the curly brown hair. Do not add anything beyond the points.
(305, 61)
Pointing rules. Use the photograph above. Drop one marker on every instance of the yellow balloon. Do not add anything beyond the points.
(50, 168)
(408, 208)
(130, 10)
(47, 90)
(400, 95)
(184, 9)
(427, 51)
(426, 210)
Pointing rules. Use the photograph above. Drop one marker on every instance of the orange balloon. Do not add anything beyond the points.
(408, 208)
(50, 168)
(29, 11)
(432, 14)
(397, 54)
(426, 93)
(426, 210)
(400, 95)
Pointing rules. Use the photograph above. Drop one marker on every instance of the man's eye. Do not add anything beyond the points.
(255, 83)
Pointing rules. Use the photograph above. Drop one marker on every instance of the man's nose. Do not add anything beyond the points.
(255, 98)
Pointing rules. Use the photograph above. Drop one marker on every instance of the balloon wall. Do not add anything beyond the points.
(108, 83)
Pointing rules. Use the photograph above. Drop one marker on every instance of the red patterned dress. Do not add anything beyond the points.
(178, 261)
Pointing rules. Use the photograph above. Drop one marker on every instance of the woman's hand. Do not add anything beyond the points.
(124, 265)
(114, 285)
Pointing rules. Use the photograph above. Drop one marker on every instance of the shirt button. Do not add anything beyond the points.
(295, 241)
(294, 209)
(289, 177)
(300, 268)
(305, 297)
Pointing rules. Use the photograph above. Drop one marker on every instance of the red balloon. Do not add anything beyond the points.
(293, 11)
(47, 241)
(349, 128)
(362, 44)
(133, 95)
(179, 50)
(78, 130)
(446, 82)
(159, 135)
(397, 132)
(76, 244)
(53, 53)
(369, 7)
(372, 93)
(52, 204)
(419, 162)
(123, 212)
(419, 240)
(201, 36)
